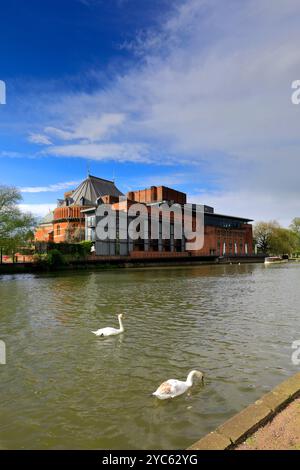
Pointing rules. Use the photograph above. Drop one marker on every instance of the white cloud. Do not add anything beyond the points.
(212, 84)
(39, 139)
(105, 151)
(91, 128)
(10, 154)
(50, 188)
(59, 133)
(246, 203)
(39, 210)
(171, 179)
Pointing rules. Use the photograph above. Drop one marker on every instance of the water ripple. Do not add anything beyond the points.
(64, 388)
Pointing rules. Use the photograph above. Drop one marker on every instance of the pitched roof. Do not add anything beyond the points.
(92, 188)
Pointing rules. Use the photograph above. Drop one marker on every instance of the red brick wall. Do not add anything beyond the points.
(61, 229)
(43, 233)
(64, 218)
(212, 235)
(157, 193)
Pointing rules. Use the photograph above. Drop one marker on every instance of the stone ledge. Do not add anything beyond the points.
(274, 401)
(290, 387)
(212, 441)
(246, 422)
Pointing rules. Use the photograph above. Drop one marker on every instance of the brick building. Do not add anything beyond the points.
(67, 222)
(224, 235)
(75, 219)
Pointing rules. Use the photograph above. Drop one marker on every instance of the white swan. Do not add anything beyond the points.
(108, 331)
(172, 387)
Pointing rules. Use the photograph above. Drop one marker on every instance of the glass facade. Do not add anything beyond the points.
(223, 222)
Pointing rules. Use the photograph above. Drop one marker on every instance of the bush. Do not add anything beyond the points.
(77, 249)
(55, 258)
(52, 259)
(86, 246)
(40, 259)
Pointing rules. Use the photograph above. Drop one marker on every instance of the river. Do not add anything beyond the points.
(64, 388)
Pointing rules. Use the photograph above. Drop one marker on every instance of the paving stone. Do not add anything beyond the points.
(290, 387)
(245, 422)
(212, 441)
(274, 400)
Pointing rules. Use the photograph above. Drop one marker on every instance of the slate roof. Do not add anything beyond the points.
(92, 188)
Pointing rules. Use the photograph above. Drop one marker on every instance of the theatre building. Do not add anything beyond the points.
(224, 235)
(75, 220)
(67, 222)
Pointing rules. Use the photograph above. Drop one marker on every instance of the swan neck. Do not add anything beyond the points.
(189, 380)
(121, 324)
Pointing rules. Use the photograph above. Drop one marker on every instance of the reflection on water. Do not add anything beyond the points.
(63, 387)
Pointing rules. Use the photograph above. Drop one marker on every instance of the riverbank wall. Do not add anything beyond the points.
(107, 262)
(245, 423)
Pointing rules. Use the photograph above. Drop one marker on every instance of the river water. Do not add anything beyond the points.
(62, 387)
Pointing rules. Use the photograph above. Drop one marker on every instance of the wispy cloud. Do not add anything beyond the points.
(92, 128)
(216, 87)
(50, 188)
(39, 139)
(171, 179)
(11, 154)
(106, 151)
(261, 205)
(211, 84)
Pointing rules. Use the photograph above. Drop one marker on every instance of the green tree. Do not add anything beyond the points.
(15, 226)
(262, 233)
(295, 225)
(283, 241)
(55, 258)
(295, 228)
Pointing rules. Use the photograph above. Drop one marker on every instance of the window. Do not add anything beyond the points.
(58, 230)
(223, 222)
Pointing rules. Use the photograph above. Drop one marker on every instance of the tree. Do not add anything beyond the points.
(283, 241)
(295, 225)
(263, 232)
(295, 228)
(75, 234)
(273, 239)
(15, 226)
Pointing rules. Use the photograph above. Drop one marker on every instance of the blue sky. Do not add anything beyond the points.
(192, 94)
